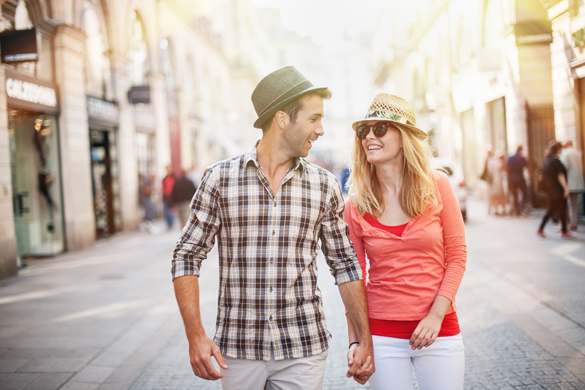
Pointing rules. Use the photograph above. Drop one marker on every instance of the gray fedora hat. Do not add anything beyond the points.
(276, 90)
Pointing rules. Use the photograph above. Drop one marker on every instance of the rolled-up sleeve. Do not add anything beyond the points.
(335, 242)
(454, 240)
(198, 236)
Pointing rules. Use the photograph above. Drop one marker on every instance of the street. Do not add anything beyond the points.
(106, 317)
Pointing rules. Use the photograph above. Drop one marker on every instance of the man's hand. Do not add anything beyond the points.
(200, 351)
(201, 347)
(360, 360)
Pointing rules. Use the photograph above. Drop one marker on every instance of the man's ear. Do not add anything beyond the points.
(282, 119)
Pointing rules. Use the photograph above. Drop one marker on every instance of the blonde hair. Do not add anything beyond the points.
(418, 187)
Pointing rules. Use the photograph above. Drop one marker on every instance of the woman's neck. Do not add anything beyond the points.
(390, 177)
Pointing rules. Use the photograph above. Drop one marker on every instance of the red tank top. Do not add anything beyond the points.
(396, 230)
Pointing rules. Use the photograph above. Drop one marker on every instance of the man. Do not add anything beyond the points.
(572, 160)
(182, 193)
(269, 208)
(516, 181)
(168, 182)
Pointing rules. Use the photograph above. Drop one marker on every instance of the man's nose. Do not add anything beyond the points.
(319, 130)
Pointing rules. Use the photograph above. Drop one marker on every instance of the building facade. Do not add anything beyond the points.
(120, 91)
(478, 74)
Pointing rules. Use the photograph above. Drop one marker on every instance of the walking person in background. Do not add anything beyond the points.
(572, 159)
(269, 208)
(181, 196)
(145, 190)
(516, 182)
(168, 182)
(405, 218)
(555, 181)
(497, 192)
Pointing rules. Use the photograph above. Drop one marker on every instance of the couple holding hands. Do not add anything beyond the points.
(396, 248)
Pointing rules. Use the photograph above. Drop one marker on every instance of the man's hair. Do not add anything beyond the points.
(293, 107)
(519, 148)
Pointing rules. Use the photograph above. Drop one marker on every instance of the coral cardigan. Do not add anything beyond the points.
(406, 273)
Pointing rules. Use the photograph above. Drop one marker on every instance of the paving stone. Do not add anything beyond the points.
(80, 386)
(10, 365)
(92, 374)
(53, 365)
(29, 353)
(16, 381)
(48, 381)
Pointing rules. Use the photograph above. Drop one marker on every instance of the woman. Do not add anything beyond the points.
(405, 218)
(497, 193)
(555, 181)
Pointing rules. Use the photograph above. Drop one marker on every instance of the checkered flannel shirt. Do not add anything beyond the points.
(268, 248)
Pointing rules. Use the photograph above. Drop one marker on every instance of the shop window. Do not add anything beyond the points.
(36, 183)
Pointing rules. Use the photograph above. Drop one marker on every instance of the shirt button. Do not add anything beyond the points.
(270, 318)
(270, 289)
(271, 260)
(273, 232)
(274, 204)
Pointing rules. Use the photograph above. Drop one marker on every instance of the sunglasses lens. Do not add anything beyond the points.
(380, 129)
(362, 131)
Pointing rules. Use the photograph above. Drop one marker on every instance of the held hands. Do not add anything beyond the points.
(360, 360)
(200, 351)
(426, 332)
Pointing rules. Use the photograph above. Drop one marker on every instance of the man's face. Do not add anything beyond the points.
(300, 135)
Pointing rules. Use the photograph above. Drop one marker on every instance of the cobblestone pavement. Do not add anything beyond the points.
(106, 318)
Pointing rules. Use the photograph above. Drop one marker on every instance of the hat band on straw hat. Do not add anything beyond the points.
(388, 115)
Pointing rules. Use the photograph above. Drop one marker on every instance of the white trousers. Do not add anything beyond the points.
(289, 374)
(438, 367)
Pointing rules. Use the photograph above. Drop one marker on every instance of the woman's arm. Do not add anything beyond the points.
(455, 258)
(563, 182)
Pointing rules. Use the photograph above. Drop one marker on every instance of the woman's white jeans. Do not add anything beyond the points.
(438, 367)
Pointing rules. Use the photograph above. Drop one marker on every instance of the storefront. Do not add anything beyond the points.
(35, 165)
(103, 119)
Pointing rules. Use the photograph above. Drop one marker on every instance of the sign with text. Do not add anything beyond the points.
(139, 94)
(29, 93)
(19, 46)
(101, 110)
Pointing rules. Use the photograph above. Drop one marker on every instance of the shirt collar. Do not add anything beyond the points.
(252, 155)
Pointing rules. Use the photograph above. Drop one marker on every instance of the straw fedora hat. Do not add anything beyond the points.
(277, 89)
(391, 108)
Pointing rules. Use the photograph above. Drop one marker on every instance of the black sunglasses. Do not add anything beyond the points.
(380, 130)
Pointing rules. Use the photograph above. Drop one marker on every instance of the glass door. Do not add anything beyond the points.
(36, 183)
(105, 182)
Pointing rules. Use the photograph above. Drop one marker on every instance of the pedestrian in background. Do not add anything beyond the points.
(168, 182)
(145, 190)
(405, 218)
(555, 182)
(497, 191)
(269, 208)
(516, 182)
(572, 159)
(181, 196)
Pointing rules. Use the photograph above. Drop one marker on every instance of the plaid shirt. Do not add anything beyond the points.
(268, 292)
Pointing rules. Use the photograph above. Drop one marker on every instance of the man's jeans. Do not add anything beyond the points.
(514, 186)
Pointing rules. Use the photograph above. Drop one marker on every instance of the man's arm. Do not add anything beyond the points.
(201, 347)
(361, 362)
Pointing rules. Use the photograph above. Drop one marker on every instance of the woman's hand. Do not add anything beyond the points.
(429, 327)
(426, 332)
